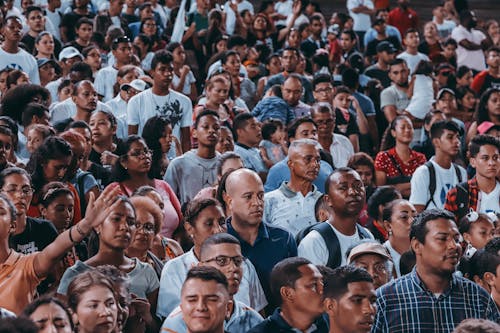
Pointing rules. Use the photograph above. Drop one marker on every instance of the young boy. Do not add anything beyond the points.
(411, 55)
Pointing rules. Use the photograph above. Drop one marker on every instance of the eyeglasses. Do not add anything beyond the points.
(122, 39)
(26, 191)
(324, 90)
(147, 227)
(139, 153)
(223, 261)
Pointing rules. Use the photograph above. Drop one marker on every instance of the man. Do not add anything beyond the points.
(289, 61)
(430, 182)
(323, 89)
(291, 206)
(68, 21)
(105, 78)
(205, 300)
(297, 286)
(471, 42)
(83, 30)
(247, 130)
(349, 300)
(484, 152)
(489, 78)
(67, 58)
(446, 102)
(348, 41)
(490, 263)
(314, 41)
(264, 245)
(403, 17)
(360, 11)
(386, 52)
(36, 20)
(327, 243)
(444, 26)
(381, 37)
(431, 296)
(303, 128)
(11, 55)
(53, 14)
(374, 258)
(196, 169)
(383, 14)
(161, 100)
(411, 40)
(292, 91)
(223, 252)
(395, 99)
(338, 145)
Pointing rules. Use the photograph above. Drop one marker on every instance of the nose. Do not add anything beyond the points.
(370, 308)
(201, 305)
(61, 172)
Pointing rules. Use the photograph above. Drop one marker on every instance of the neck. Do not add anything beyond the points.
(246, 231)
(82, 115)
(493, 71)
(212, 105)
(297, 319)
(382, 65)
(32, 33)
(325, 141)
(82, 42)
(160, 91)
(100, 146)
(10, 46)
(403, 150)
(51, 7)
(110, 256)
(44, 55)
(485, 184)
(137, 180)
(439, 20)
(136, 253)
(301, 185)
(248, 144)
(5, 251)
(123, 95)
(130, 11)
(20, 224)
(411, 50)
(443, 159)
(434, 282)
(400, 245)
(206, 152)
(345, 224)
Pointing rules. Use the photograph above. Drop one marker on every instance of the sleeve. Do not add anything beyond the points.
(170, 288)
(66, 279)
(172, 178)
(173, 199)
(292, 246)
(387, 98)
(351, 4)
(313, 248)
(190, 78)
(258, 299)
(478, 82)
(458, 34)
(133, 109)
(268, 203)
(174, 323)
(33, 73)
(89, 182)
(187, 113)
(420, 186)
(29, 270)
(152, 278)
(379, 324)
(381, 161)
(100, 83)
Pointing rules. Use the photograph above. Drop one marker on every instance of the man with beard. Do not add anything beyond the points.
(394, 99)
(37, 22)
(327, 243)
(431, 298)
(223, 252)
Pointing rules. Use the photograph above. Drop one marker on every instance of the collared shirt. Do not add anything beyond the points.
(290, 210)
(251, 157)
(301, 110)
(270, 247)
(242, 319)
(276, 323)
(341, 150)
(406, 305)
(451, 203)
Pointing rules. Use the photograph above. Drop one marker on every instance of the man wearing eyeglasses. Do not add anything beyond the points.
(223, 252)
(374, 258)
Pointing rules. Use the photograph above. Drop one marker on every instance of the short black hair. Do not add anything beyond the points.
(328, 181)
(409, 31)
(204, 113)
(395, 62)
(206, 273)
(269, 127)
(438, 128)
(220, 238)
(350, 78)
(351, 34)
(228, 155)
(285, 274)
(419, 228)
(292, 128)
(161, 57)
(381, 196)
(31, 110)
(450, 41)
(30, 9)
(482, 140)
(337, 283)
(235, 40)
(321, 78)
(240, 122)
(83, 20)
(227, 54)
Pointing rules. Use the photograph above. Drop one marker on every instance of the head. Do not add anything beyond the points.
(345, 192)
(490, 263)
(149, 218)
(303, 128)
(12, 29)
(292, 89)
(343, 97)
(467, 98)
(290, 59)
(398, 216)
(304, 160)
(468, 19)
(484, 150)
(348, 40)
(228, 161)
(323, 88)
(445, 136)
(226, 140)
(50, 315)
(349, 299)
(247, 129)
(364, 166)
(398, 72)
(103, 126)
(162, 69)
(36, 134)
(207, 129)
(446, 101)
(399, 131)
(57, 205)
(374, 258)
(203, 218)
(83, 29)
(380, 197)
(44, 43)
(489, 105)
(136, 161)
(115, 233)
(477, 325)
(85, 96)
(476, 229)
(231, 62)
(77, 144)
(218, 90)
(6, 145)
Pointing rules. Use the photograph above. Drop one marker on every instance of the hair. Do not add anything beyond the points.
(84, 68)
(419, 226)
(382, 196)
(395, 62)
(388, 140)
(361, 159)
(477, 325)
(320, 204)
(407, 262)
(488, 258)
(292, 128)
(322, 107)
(228, 54)
(462, 71)
(31, 110)
(30, 9)
(206, 273)
(196, 206)
(240, 122)
(118, 172)
(321, 78)
(439, 128)
(350, 78)
(83, 20)
(52, 191)
(351, 33)
(111, 117)
(204, 113)
(388, 209)
(45, 300)
(220, 238)
(482, 114)
(64, 83)
(13, 76)
(86, 50)
(337, 283)
(285, 274)
(424, 68)
(44, 130)
(228, 155)
(464, 224)
(146, 40)
(161, 57)
(236, 40)
(17, 325)
(269, 127)
(409, 31)
(482, 140)
(124, 70)
(153, 130)
(146, 204)
(83, 282)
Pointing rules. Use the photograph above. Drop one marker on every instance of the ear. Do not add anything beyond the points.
(13, 226)
(489, 278)
(330, 306)
(189, 228)
(227, 199)
(287, 293)
(42, 210)
(416, 246)
(466, 237)
(194, 133)
(74, 316)
(472, 162)
(123, 162)
(229, 309)
(327, 200)
(436, 142)
(387, 225)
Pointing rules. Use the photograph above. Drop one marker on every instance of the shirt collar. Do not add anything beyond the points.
(283, 325)
(289, 193)
(242, 145)
(262, 233)
(454, 285)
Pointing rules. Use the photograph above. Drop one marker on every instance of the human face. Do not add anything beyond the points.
(493, 59)
(346, 43)
(289, 61)
(46, 45)
(386, 57)
(218, 92)
(157, 198)
(233, 64)
(94, 59)
(316, 27)
(166, 139)
(7, 225)
(101, 127)
(246, 198)
(493, 104)
(210, 221)
(96, 311)
(294, 39)
(465, 80)
(138, 158)
(86, 97)
(60, 211)
(47, 73)
(376, 265)
(306, 131)
(450, 51)
(55, 170)
(307, 292)
(144, 231)
(204, 305)
(403, 131)
(304, 163)
(232, 271)
(232, 164)
(412, 40)
(23, 79)
(323, 92)
(34, 140)
(486, 162)
(399, 74)
(84, 32)
(162, 75)
(441, 252)
(346, 193)
(469, 101)
(226, 142)
(3, 81)
(449, 142)
(480, 233)
(149, 28)
(251, 133)
(179, 55)
(260, 24)
(17, 189)
(292, 91)
(117, 229)
(402, 217)
(366, 174)
(123, 53)
(342, 101)
(36, 21)
(5, 148)
(430, 30)
(129, 77)
(447, 103)
(208, 131)
(274, 66)
(51, 318)
(355, 311)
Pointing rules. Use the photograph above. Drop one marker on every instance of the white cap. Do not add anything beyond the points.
(69, 52)
(137, 84)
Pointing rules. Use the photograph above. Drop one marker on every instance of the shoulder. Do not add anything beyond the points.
(180, 97)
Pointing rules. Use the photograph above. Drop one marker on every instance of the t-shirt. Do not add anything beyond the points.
(394, 96)
(362, 21)
(21, 60)
(473, 59)
(104, 82)
(67, 109)
(483, 81)
(389, 162)
(412, 60)
(490, 202)
(341, 150)
(251, 157)
(190, 79)
(37, 235)
(175, 106)
(382, 75)
(445, 28)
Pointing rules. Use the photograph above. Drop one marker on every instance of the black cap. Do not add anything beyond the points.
(386, 46)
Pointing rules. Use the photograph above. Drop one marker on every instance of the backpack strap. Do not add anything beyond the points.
(432, 182)
(363, 234)
(332, 243)
(457, 171)
(462, 200)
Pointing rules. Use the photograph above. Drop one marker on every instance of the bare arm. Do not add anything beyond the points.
(380, 178)
(390, 112)
(295, 13)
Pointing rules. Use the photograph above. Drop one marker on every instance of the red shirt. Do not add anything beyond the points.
(403, 19)
(384, 163)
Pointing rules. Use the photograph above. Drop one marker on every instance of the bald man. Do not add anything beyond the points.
(291, 206)
(264, 245)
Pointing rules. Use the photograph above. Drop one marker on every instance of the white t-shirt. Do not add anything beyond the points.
(104, 81)
(231, 17)
(186, 90)
(175, 106)
(362, 21)
(490, 202)
(412, 60)
(21, 60)
(445, 180)
(445, 28)
(423, 96)
(341, 150)
(67, 109)
(284, 8)
(474, 59)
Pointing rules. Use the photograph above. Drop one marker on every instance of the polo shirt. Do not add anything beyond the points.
(290, 210)
(270, 247)
(276, 323)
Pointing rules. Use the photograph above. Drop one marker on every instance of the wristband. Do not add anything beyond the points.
(80, 231)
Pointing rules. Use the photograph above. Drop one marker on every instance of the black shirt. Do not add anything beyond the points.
(37, 235)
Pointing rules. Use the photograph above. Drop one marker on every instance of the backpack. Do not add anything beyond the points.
(432, 180)
(462, 200)
(331, 241)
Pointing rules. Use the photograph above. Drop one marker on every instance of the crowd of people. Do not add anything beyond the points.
(211, 166)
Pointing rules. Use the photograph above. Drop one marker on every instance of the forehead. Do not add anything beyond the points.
(342, 177)
(307, 126)
(209, 119)
(245, 183)
(224, 249)
(370, 257)
(309, 271)
(306, 149)
(363, 288)
(441, 225)
(292, 83)
(199, 287)
(86, 86)
(16, 178)
(488, 150)
(397, 68)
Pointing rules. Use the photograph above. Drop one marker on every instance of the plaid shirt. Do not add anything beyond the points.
(405, 305)
(451, 203)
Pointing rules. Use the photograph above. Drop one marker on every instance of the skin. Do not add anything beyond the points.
(366, 174)
(55, 170)
(45, 47)
(5, 148)
(323, 92)
(207, 133)
(226, 142)
(85, 98)
(96, 311)
(137, 166)
(60, 211)
(486, 164)
(376, 265)
(493, 282)
(94, 59)
(51, 318)
(292, 91)
(232, 272)
(166, 139)
(402, 217)
(34, 140)
(289, 61)
(303, 163)
(399, 76)
(480, 233)
(250, 134)
(346, 43)
(210, 221)
(217, 94)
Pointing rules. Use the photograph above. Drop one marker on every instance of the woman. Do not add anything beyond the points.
(363, 164)
(396, 162)
(431, 45)
(50, 315)
(150, 29)
(382, 196)
(57, 205)
(44, 46)
(488, 109)
(491, 27)
(114, 237)
(464, 77)
(105, 150)
(243, 87)
(273, 67)
(92, 57)
(144, 45)
(217, 93)
(92, 301)
(215, 32)
(398, 216)
(48, 71)
(16, 78)
(467, 100)
(131, 171)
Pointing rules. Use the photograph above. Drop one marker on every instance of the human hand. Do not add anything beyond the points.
(98, 209)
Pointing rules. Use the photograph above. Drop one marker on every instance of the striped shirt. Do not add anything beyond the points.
(405, 305)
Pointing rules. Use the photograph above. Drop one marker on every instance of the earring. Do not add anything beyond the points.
(389, 232)
(469, 251)
(192, 236)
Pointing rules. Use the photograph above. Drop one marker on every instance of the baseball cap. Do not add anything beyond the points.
(42, 61)
(137, 84)
(444, 90)
(486, 126)
(386, 47)
(69, 52)
(334, 29)
(368, 248)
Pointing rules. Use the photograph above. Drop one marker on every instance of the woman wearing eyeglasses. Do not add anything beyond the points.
(133, 170)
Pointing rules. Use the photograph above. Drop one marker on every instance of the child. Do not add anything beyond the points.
(37, 133)
(183, 80)
(273, 146)
(272, 106)
(424, 89)
(477, 230)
